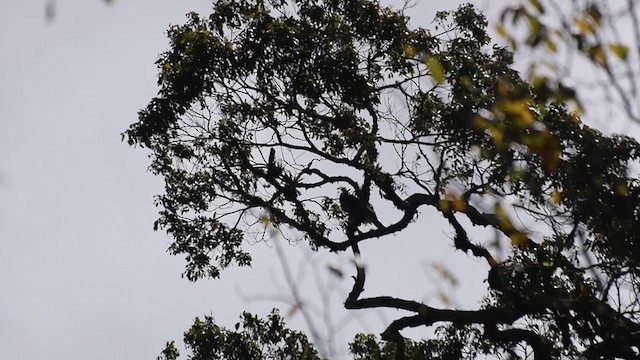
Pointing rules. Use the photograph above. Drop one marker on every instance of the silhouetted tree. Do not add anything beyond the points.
(320, 117)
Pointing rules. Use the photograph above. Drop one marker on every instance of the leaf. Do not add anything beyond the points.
(445, 273)
(594, 13)
(437, 72)
(409, 50)
(548, 148)
(518, 239)
(550, 45)
(556, 197)
(536, 5)
(502, 31)
(584, 26)
(444, 298)
(444, 205)
(456, 202)
(503, 219)
(598, 55)
(265, 219)
(622, 189)
(535, 25)
(619, 50)
(519, 110)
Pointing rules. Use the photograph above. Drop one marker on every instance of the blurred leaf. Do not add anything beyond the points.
(50, 10)
(409, 50)
(547, 147)
(436, 69)
(534, 24)
(619, 50)
(584, 25)
(536, 4)
(594, 13)
(456, 202)
(550, 45)
(445, 273)
(622, 189)
(503, 219)
(519, 110)
(599, 56)
(444, 205)
(518, 239)
(444, 298)
(502, 31)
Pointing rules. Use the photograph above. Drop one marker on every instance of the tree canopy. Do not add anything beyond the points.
(336, 122)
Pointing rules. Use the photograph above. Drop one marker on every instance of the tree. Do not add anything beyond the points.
(253, 338)
(297, 114)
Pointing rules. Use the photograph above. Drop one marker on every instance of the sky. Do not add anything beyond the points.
(82, 274)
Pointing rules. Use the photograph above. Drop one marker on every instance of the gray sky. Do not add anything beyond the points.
(82, 274)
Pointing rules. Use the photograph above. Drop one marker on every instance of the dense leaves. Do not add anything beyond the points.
(253, 338)
(268, 111)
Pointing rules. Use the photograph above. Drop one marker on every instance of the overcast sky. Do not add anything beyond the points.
(82, 274)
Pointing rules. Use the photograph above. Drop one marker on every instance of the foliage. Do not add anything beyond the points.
(253, 338)
(567, 38)
(268, 111)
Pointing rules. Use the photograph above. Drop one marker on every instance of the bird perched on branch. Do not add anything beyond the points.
(274, 169)
(359, 211)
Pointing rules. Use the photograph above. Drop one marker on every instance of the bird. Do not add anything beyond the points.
(274, 170)
(359, 211)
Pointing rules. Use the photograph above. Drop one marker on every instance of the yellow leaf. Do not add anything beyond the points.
(467, 82)
(437, 72)
(539, 81)
(622, 189)
(502, 31)
(503, 219)
(518, 109)
(534, 24)
(576, 114)
(584, 26)
(445, 273)
(443, 205)
(518, 239)
(551, 45)
(265, 219)
(444, 298)
(503, 88)
(548, 148)
(598, 55)
(456, 202)
(536, 5)
(409, 50)
(556, 197)
(459, 204)
(619, 50)
(594, 13)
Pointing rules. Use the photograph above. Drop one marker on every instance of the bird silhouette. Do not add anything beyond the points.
(274, 169)
(359, 211)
